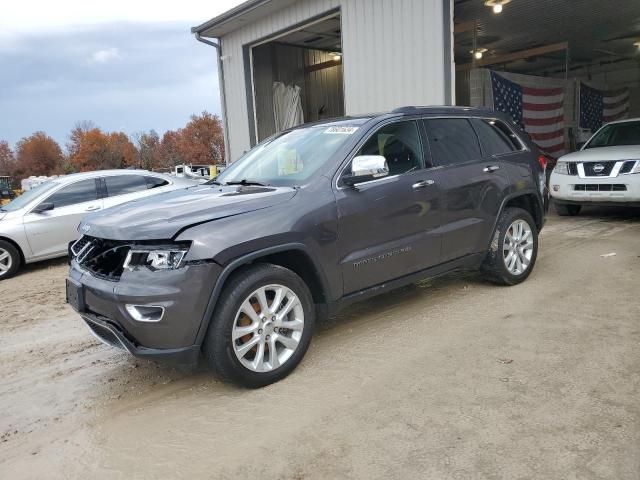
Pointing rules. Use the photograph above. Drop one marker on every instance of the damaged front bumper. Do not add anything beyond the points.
(181, 295)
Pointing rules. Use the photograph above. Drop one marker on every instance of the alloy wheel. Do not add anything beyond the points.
(268, 328)
(5, 261)
(517, 247)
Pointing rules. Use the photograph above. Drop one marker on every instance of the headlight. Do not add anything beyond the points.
(155, 259)
(562, 168)
(636, 169)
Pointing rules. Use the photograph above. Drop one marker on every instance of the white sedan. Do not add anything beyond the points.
(40, 224)
(606, 171)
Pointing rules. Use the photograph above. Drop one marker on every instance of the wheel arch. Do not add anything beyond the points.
(294, 256)
(527, 201)
(17, 247)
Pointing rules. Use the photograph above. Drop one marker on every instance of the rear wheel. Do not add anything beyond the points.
(261, 327)
(9, 260)
(567, 210)
(514, 248)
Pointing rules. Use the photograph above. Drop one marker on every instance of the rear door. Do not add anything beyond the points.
(50, 232)
(388, 227)
(471, 185)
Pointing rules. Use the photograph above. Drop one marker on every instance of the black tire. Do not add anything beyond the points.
(567, 210)
(494, 267)
(15, 259)
(218, 345)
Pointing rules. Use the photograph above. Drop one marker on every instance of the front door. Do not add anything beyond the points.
(49, 233)
(387, 227)
(472, 186)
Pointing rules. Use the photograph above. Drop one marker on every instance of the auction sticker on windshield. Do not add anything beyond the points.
(342, 130)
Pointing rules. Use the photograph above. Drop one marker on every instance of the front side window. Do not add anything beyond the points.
(79, 192)
(496, 138)
(290, 158)
(615, 134)
(400, 144)
(29, 196)
(123, 184)
(452, 141)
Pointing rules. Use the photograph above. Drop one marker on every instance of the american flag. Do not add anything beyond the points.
(598, 107)
(539, 111)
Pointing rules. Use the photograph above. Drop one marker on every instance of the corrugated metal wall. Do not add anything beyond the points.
(393, 56)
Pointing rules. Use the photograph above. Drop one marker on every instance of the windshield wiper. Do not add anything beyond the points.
(244, 181)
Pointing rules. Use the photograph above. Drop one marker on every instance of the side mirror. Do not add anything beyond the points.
(365, 168)
(43, 207)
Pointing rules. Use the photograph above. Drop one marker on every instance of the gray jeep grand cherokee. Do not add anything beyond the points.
(308, 221)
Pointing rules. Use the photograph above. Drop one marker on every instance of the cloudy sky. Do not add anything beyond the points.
(128, 65)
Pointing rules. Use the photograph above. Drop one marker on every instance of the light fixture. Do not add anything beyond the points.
(637, 44)
(496, 5)
(478, 52)
(336, 56)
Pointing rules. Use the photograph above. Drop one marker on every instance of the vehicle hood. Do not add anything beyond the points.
(602, 154)
(163, 216)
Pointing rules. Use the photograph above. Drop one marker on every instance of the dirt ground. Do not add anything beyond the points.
(451, 378)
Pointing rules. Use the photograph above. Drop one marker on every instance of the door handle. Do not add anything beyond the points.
(491, 168)
(422, 184)
(92, 208)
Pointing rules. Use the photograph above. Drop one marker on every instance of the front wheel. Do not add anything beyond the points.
(9, 260)
(514, 248)
(567, 210)
(261, 327)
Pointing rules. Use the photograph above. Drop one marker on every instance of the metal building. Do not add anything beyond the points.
(334, 57)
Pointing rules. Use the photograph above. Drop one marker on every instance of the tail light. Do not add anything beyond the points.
(543, 161)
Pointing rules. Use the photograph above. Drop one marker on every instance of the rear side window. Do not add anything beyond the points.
(452, 141)
(123, 184)
(79, 192)
(155, 182)
(496, 138)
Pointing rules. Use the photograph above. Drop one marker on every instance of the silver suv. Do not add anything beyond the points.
(41, 223)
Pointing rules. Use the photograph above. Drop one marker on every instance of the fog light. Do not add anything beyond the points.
(556, 188)
(145, 313)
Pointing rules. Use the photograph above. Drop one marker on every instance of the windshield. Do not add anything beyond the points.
(28, 196)
(615, 134)
(289, 159)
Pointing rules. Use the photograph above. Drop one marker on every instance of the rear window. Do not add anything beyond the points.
(452, 141)
(123, 184)
(155, 182)
(496, 138)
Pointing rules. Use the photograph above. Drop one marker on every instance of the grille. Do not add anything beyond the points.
(627, 166)
(103, 258)
(605, 172)
(601, 187)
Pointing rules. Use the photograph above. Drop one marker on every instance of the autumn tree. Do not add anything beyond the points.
(201, 141)
(170, 153)
(7, 159)
(38, 154)
(149, 151)
(95, 150)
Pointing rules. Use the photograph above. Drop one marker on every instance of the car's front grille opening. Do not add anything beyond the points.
(604, 187)
(573, 168)
(598, 169)
(627, 166)
(103, 258)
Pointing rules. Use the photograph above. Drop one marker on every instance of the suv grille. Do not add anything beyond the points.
(627, 166)
(103, 258)
(604, 187)
(605, 172)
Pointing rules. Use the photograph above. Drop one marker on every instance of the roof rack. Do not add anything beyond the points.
(409, 109)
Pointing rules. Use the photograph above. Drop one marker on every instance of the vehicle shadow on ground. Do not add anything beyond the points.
(34, 267)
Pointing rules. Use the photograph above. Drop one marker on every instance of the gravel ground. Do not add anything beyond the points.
(450, 378)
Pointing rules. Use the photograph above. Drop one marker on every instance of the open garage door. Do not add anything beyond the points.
(297, 77)
(560, 68)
